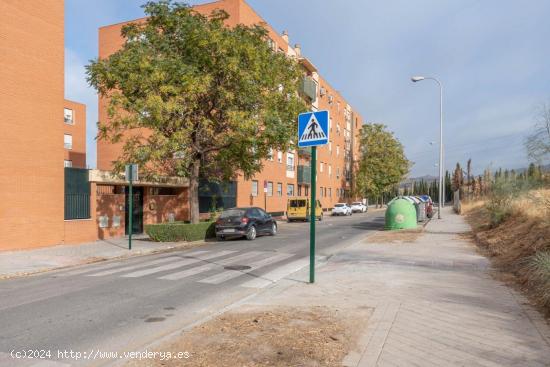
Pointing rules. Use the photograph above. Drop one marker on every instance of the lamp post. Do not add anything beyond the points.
(441, 168)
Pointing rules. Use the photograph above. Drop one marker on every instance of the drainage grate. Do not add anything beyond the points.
(237, 267)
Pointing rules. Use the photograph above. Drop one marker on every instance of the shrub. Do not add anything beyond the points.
(175, 232)
(539, 276)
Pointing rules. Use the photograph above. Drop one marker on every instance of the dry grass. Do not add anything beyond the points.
(282, 337)
(395, 237)
(520, 244)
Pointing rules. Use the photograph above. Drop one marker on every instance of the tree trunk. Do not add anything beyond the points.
(194, 192)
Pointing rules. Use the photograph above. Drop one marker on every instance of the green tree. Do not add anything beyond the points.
(191, 97)
(382, 162)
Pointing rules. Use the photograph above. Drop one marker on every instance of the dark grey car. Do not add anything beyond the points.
(245, 222)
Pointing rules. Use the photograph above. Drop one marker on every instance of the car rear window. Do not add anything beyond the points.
(232, 213)
(356, 203)
(338, 205)
(297, 203)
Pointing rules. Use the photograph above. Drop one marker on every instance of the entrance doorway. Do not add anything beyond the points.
(137, 217)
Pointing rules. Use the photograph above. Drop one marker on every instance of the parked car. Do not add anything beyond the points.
(358, 207)
(298, 209)
(245, 222)
(341, 209)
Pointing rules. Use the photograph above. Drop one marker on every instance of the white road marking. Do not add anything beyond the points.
(277, 274)
(208, 267)
(112, 264)
(176, 265)
(136, 266)
(230, 274)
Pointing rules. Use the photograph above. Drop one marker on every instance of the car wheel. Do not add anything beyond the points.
(220, 238)
(321, 217)
(273, 231)
(251, 233)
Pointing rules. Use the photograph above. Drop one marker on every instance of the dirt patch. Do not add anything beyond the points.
(281, 336)
(395, 237)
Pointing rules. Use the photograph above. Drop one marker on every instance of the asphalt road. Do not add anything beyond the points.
(125, 305)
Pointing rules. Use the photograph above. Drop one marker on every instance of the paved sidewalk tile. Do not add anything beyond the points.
(47, 258)
(436, 304)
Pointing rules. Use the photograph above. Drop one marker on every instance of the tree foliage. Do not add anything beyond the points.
(382, 163)
(191, 97)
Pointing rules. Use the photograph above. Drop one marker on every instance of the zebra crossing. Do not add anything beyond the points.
(209, 267)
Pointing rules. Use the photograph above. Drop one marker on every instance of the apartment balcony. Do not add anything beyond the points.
(304, 152)
(308, 88)
(304, 174)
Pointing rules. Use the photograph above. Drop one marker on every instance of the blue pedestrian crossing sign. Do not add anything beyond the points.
(313, 128)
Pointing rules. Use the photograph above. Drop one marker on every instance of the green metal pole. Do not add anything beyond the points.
(312, 215)
(130, 209)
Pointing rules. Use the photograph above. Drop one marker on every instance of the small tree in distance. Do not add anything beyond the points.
(191, 97)
(382, 162)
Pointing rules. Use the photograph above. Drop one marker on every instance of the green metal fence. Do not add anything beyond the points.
(77, 193)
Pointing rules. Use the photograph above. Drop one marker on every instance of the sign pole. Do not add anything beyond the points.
(312, 215)
(131, 207)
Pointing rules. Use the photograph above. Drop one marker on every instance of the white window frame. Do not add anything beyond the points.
(280, 156)
(288, 191)
(67, 163)
(269, 188)
(254, 188)
(290, 161)
(66, 113)
(279, 189)
(321, 166)
(68, 141)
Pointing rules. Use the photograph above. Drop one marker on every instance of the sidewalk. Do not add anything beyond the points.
(427, 302)
(24, 262)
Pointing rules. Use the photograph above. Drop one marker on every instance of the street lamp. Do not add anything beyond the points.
(441, 168)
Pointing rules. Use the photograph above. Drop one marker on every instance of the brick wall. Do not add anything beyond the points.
(31, 115)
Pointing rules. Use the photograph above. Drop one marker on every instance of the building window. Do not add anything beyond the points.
(270, 188)
(306, 190)
(280, 157)
(279, 189)
(68, 141)
(329, 170)
(330, 192)
(67, 163)
(338, 172)
(330, 147)
(254, 188)
(68, 116)
(290, 190)
(270, 154)
(337, 150)
(321, 166)
(290, 161)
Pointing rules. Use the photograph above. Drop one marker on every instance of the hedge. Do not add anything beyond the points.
(175, 232)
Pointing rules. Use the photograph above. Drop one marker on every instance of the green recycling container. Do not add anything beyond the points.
(400, 214)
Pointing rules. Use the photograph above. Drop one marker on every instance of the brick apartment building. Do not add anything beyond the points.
(285, 174)
(43, 204)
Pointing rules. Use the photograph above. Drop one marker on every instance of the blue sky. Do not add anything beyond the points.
(491, 55)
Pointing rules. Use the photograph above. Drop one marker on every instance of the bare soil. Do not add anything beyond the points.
(395, 237)
(279, 336)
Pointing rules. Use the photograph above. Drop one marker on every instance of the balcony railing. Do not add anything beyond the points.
(308, 88)
(305, 152)
(304, 174)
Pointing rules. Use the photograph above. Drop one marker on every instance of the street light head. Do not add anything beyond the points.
(417, 78)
